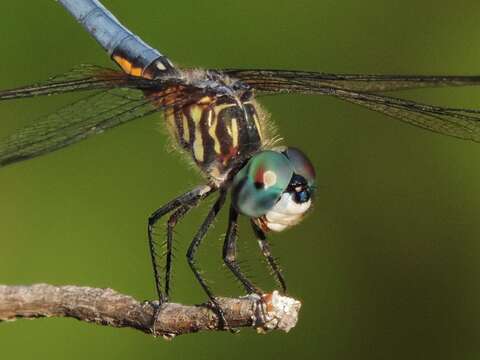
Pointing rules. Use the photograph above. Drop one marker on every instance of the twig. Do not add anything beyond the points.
(110, 308)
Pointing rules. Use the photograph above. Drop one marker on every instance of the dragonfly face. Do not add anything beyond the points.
(275, 188)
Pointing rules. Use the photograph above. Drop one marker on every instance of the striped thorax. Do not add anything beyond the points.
(220, 129)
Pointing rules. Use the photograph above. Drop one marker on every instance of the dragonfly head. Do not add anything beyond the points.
(275, 188)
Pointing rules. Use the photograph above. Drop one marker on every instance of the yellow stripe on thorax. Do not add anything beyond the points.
(212, 128)
(186, 129)
(198, 151)
(234, 133)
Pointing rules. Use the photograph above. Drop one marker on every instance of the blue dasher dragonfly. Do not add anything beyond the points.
(215, 119)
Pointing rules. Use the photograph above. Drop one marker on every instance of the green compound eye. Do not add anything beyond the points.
(258, 186)
(301, 165)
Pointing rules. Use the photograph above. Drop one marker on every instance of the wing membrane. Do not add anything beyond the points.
(123, 99)
(73, 123)
(83, 119)
(311, 82)
(459, 123)
(83, 77)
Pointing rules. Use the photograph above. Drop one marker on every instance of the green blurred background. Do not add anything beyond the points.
(387, 265)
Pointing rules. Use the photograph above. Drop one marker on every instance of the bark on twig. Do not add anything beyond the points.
(108, 307)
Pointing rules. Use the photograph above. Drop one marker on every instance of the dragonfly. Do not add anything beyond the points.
(215, 119)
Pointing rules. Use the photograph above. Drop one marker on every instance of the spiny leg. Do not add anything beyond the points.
(171, 223)
(230, 253)
(192, 250)
(265, 247)
(193, 195)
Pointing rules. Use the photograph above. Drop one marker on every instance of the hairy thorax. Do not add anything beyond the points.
(220, 129)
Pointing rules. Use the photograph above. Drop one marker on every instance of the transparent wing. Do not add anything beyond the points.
(276, 81)
(459, 123)
(83, 77)
(82, 119)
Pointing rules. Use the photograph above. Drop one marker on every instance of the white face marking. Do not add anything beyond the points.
(269, 179)
(286, 213)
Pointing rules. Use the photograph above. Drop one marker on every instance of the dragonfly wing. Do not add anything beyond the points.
(459, 123)
(75, 122)
(278, 81)
(83, 77)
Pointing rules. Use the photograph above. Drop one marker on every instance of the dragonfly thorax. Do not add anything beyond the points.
(218, 131)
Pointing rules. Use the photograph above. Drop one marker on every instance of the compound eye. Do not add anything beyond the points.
(258, 186)
(301, 165)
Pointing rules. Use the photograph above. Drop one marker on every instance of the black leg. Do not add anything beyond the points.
(265, 247)
(192, 250)
(172, 222)
(190, 197)
(230, 253)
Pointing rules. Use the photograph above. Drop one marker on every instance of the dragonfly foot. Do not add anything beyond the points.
(157, 308)
(222, 322)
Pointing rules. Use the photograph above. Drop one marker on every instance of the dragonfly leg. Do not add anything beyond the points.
(192, 250)
(265, 247)
(171, 223)
(230, 253)
(190, 197)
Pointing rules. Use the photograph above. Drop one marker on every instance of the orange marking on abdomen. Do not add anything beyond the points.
(127, 66)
